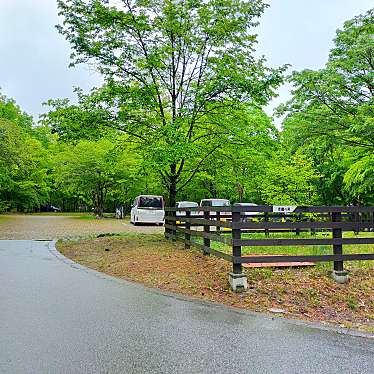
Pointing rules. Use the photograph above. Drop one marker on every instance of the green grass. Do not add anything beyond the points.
(3, 219)
(84, 217)
(302, 250)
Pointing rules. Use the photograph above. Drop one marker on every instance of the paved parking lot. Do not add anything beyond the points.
(57, 317)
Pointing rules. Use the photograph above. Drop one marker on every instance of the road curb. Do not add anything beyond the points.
(296, 322)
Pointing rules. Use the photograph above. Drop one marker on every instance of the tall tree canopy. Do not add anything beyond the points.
(11, 112)
(178, 75)
(97, 174)
(337, 101)
(331, 114)
(23, 160)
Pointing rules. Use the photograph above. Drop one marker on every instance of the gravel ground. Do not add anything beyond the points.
(51, 227)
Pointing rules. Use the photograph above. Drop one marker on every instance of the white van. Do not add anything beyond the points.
(148, 209)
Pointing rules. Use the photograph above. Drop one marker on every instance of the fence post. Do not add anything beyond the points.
(187, 235)
(206, 230)
(312, 230)
(237, 279)
(218, 218)
(174, 224)
(356, 219)
(167, 222)
(298, 220)
(339, 274)
(266, 218)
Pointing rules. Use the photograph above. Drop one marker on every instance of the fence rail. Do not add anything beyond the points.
(227, 224)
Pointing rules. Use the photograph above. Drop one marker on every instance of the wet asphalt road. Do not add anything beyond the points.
(57, 317)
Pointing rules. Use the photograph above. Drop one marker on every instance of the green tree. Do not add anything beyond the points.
(234, 171)
(176, 74)
(289, 180)
(330, 115)
(95, 173)
(10, 111)
(337, 101)
(23, 160)
(9, 155)
(359, 178)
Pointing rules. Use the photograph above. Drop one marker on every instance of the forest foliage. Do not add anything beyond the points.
(181, 114)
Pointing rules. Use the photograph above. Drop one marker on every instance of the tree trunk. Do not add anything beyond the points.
(212, 190)
(172, 186)
(240, 190)
(101, 204)
(99, 201)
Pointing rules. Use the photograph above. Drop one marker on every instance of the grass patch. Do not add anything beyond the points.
(3, 219)
(85, 217)
(305, 249)
(303, 293)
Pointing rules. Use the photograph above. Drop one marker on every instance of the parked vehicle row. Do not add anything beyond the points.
(203, 203)
(150, 208)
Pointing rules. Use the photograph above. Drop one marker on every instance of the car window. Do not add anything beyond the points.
(245, 204)
(150, 202)
(220, 203)
(187, 204)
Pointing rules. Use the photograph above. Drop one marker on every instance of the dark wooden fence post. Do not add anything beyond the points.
(206, 230)
(174, 224)
(236, 249)
(187, 235)
(298, 219)
(218, 218)
(337, 234)
(237, 279)
(266, 215)
(167, 222)
(312, 230)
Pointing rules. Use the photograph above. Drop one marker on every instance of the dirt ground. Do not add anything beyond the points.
(61, 226)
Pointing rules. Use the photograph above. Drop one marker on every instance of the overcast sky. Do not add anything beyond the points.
(34, 58)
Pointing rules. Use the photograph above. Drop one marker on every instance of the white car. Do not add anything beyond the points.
(215, 203)
(247, 215)
(186, 204)
(148, 209)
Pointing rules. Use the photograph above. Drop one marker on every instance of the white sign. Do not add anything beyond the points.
(284, 208)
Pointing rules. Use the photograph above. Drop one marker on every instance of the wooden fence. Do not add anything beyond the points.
(227, 224)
